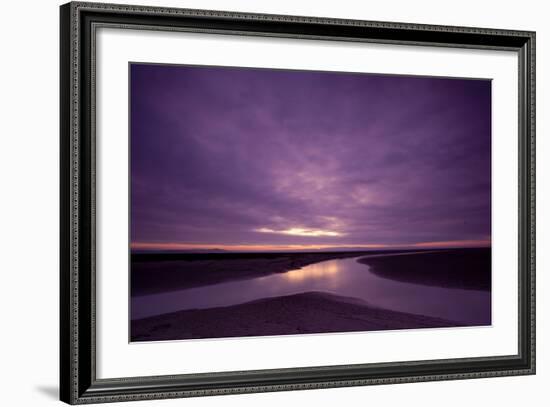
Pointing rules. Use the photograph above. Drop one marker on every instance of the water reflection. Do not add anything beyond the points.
(326, 269)
(343, 277)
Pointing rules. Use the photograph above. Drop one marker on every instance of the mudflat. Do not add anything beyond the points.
(305, 313)
(468, 269)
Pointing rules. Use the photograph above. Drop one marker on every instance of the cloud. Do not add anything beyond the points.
(219, 154)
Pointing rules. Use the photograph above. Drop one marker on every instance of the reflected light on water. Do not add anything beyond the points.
(342, 277)
(314, 271)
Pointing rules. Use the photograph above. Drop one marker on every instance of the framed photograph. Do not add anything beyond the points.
(255, 203)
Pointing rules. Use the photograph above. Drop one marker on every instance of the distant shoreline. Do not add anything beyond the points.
(305, 313)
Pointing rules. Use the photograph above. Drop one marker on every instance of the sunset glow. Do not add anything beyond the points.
(300, 232)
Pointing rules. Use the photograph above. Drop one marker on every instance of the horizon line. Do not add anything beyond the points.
(272, 247)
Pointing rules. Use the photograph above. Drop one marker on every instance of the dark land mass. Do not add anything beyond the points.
(305, 313)
(458, 268)
(153, 273)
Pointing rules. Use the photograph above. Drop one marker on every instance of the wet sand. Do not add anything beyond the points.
(305, 313)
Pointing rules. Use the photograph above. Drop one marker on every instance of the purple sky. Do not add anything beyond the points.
(233, 157)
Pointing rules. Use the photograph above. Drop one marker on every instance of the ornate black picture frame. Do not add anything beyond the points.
(78, 381)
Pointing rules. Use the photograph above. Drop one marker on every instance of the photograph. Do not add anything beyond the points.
(267, 202)
(281, 199)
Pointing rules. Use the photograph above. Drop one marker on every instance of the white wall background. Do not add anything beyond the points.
(29, 163)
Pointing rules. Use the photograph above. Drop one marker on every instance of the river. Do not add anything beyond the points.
(343, 277)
